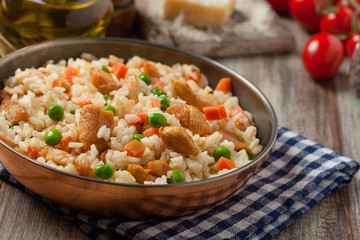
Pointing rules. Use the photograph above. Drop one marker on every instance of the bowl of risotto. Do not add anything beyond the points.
(128, 128)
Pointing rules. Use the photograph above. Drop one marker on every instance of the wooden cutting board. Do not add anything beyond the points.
(252, 29)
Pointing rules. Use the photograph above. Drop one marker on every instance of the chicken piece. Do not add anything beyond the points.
(159, 167)
(139, 173)
(184, 91)
(179, 140)
(133, 85)
(59, 157)
(92, 118)
(102, 80)
(62, 158)
(231, 138)
(4, 95)
(190, 117)
(13, 111)
(151, 70)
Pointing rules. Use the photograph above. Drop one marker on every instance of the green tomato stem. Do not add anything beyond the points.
(354, 22)
(355, 5)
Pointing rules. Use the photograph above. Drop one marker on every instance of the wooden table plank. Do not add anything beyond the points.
(23, 217)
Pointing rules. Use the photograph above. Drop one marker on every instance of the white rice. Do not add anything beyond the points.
(32, 89)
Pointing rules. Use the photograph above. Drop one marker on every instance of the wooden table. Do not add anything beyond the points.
(323, 112)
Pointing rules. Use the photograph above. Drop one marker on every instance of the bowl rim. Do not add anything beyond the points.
(264, 99)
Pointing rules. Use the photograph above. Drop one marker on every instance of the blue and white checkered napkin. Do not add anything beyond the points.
(297, 175)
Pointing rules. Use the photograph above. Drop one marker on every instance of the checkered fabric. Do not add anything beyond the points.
(297, 175)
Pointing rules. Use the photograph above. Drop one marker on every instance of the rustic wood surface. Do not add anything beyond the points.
(323, 112)
(252, 29)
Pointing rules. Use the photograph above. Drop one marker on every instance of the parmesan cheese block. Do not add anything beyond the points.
(201, 13)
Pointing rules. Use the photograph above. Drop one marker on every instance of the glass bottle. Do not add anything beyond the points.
(25, 22)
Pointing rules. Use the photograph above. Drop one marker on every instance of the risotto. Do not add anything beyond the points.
(137, 121)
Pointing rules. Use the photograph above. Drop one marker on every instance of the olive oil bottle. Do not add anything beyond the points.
(24, 22)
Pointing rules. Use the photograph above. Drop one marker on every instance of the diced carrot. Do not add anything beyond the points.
(119, 70)
(215, 112)
(155, 103)
(211, 113)
(55, 84)
(71, 72)
(5, 139)
(143, 117)
(135, 149)
(64, 143)
(197, 74)
(151, 131)
(225, 163)
(85, 98)
(159, 85)
(224, 85)
(222, 110)
(32, 152)
(235, 111)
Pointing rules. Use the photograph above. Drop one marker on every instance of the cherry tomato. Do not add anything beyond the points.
(338, 22)
(280, 6)
(304, 11)
(351, 43)
(323, 55)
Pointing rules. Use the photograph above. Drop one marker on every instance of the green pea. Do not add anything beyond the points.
(250, 157)
(164, 102)
(107, 97)
(157, 91)
(72, 112)
(110, 108)
(103, 67)
(157, 120)
(177, 177)
(138, 137)
(104, 171)
(12, 127)
(145, 78)
(52, 137)
(221, 151)
(56, 112)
